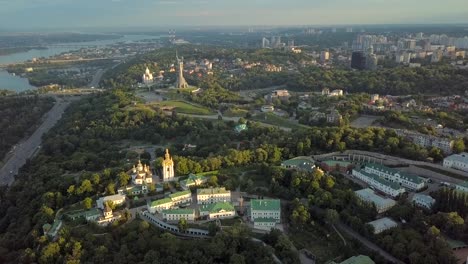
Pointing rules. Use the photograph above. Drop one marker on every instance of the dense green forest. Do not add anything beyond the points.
(20, 115)
(83, 158)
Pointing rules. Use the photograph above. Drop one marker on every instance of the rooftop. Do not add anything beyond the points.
(114, 197)
(298, 161)
(410, 177)
(462, 157)
(84, 213)
(383, 223)
(341, 163)
(178, 211)
(265, 205)
(160, 201)
(361, 259)
(206, 191)
(178, 194)
(217, 207)
(425, 198)
(393, 185)
(370, 195)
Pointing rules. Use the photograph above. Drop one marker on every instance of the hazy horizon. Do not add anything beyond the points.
(61, 14)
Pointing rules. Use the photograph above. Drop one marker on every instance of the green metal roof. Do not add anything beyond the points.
(217, 207)
(82, 213)
(160, 201)
(393, 185)
(193, 178)
(207, 191)
(265, 220)
(332, 163)
(361, 259)
(265, 205)
(410, 177)
(178, 211)
(178, 194)
(298, 161)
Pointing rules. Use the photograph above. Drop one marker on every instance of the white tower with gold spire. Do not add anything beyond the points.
(168, 167)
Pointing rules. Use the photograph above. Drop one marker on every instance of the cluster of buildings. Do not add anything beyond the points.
(387, 180)
(334, 93)
(445, 144)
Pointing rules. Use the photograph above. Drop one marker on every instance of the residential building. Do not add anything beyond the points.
(168, 167)
(213, 195)
(390, 188)
(383, 224)
(337, 92)
(265, 223)
(324, 56)
(445, 144)
(180, 198)
(265, 208)
(457, 161)
(220, 210)
(462, 187)
(299, 163)
(334, 117)
(160, 205)
(406, 180)
(358, 60)
(174, 215)
(278, 94)
(381, 204)
(193, 180)
(116, 199)
(423, 200)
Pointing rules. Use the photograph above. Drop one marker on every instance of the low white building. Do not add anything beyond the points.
(265, 208)
(265, 223)
(390, 188)
(457, 161)
(406, 180)
(174, 215)
(213, 195)
(218, 210)
(160, 205)
(116, 199)
(423, 200)
(383, 224)
(462, 187)
(381, 204)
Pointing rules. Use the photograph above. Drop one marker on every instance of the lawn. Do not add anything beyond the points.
(234, 112)
(185, 108)
(272, 119)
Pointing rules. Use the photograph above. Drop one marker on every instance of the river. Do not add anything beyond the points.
(19, 84)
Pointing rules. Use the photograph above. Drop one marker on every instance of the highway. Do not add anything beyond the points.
(26, 148)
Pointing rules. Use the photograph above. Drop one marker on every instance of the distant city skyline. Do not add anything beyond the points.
(164, 13)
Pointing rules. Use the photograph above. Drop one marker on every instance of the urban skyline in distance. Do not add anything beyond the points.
(124, 13)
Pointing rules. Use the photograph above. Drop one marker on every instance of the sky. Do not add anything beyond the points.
(163, 13)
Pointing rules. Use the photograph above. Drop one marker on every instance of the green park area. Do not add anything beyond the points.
(272, 119)
(185, 108)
